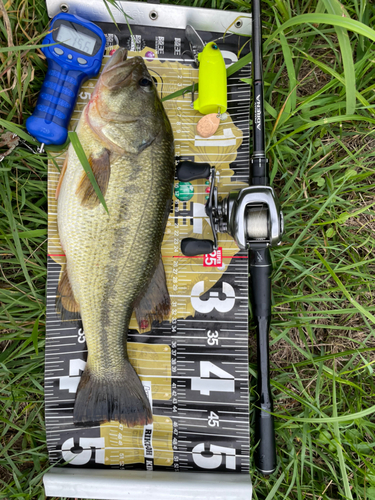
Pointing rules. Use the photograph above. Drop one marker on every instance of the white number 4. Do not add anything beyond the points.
(71, 381)
(204, 384)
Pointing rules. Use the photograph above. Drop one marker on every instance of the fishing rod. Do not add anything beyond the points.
(260, 267)
(253, 218)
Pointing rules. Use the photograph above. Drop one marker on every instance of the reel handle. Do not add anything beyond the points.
(192, 247)
(190, 170)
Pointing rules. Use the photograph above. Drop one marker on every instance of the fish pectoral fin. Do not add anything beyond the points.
(62, 173)
(65, 297)
(155, 303)
(101, 169)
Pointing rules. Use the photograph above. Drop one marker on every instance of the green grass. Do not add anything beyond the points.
(320, 103)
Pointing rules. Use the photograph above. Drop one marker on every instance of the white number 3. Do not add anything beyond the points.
(206, 306)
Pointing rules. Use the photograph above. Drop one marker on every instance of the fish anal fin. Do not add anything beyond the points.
(66, 302)
(155, 303)
(101, 168)
(61, 178)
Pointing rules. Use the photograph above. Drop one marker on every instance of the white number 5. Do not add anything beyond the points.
(216, 459)
(84, 456)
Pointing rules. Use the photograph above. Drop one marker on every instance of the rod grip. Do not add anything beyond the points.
(260, 268)
(265, 454)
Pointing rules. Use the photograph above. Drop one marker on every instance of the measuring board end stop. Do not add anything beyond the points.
(136, 485)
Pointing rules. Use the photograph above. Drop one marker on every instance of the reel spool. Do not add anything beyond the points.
(257, 224)
(250, 216)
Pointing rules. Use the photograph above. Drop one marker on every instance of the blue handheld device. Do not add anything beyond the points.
(76, 57)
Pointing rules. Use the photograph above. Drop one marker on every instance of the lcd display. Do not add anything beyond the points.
(76, 40)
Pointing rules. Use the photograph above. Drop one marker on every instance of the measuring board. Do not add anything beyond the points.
(194, 367)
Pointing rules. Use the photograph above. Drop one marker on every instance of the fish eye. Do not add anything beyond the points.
(145, 82)
(214, 46)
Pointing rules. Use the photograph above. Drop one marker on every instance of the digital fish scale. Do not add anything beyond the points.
(74, 51)
(195, 366)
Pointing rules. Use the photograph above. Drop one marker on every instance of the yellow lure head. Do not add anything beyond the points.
(212, 81)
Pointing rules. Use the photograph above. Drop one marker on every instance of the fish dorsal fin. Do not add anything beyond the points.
(155, 303)
(101, 169)
(65, 298)
(62, 173)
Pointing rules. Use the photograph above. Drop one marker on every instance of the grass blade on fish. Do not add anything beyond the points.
(86, 166)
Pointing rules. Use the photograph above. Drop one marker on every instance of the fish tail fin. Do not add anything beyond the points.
(102, 399)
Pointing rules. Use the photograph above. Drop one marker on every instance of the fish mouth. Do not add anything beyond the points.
(119, 69)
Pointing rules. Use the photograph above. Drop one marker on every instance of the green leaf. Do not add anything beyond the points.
(12, 127)
(190, 88)
(233, 68)
(349, 24)
(356, 304)
(86, 166)
(34, 335)
(57, 149)
(35, 233)
(5, 193)
(343, 217)
(18, 48)
(282, 9)
(288, 59)
(339, 449)
(327, 69)
(323, 121)
(335, 7)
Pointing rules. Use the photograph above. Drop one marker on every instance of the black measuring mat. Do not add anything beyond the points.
(195, 366)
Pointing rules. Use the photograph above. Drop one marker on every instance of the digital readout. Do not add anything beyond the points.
(75, 39)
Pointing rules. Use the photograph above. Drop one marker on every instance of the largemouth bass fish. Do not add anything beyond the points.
(113, 261)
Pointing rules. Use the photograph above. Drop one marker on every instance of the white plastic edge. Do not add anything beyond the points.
(139, 485)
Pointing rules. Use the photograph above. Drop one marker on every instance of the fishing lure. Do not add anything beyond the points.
(212, 99)
(212, 81)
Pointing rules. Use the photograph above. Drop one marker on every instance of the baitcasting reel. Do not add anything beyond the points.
(252, 216)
